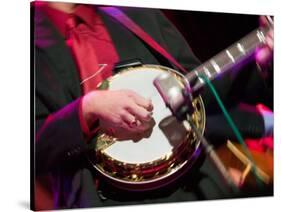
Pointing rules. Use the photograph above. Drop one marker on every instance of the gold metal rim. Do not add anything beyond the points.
(168, 157)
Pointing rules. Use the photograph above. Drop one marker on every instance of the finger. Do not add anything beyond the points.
(263, 21)
(270, 34)
(129, 119)
(269, 41)
(143, 127)
(150, 106)
(139, 112)
(128, 131)
(145, 103)
(141, 101)
(263, 55)
(125, 126)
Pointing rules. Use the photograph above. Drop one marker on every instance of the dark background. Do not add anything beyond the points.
(208, 32)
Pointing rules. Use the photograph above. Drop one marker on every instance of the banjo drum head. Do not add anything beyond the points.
(167, 137)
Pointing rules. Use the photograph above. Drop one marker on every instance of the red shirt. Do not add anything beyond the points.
(101, 42)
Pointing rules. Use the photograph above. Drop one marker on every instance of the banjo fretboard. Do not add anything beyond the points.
(230, 57)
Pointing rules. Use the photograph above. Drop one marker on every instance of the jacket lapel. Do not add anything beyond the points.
(52, 44)
(128, 45)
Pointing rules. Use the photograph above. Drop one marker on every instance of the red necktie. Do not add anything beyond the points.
(79, 39)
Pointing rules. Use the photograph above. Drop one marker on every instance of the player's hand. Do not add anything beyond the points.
(265, 53)
(144, 130)
(122, 109)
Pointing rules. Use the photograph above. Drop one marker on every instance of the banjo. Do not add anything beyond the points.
(171, 149)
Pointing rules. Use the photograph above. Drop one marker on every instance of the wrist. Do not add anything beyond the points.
(88, 109)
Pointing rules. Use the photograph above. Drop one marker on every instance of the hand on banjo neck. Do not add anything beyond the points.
(265, 53)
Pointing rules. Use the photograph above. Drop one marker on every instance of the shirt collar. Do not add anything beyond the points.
(85, 12)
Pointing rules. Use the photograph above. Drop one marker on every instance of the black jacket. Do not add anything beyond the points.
(57, 79)
(59, 138)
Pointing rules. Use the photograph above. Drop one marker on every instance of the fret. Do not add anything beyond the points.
(215, 65)
(240, 47)
(223, 60)
(261, 36)
(230, 56)
(200, 80)
(207, 72)
(236, 52)
(254, 39)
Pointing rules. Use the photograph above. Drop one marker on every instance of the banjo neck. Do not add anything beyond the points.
(229, 58)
